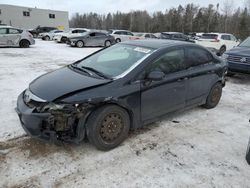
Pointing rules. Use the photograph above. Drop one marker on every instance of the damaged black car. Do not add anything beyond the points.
(120, 88)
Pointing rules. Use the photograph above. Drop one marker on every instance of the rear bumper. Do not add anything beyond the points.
(239, 67)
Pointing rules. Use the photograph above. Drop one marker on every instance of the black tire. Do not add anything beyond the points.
(24, 44)
(80, 44)
(214, 96)
(63, 39)
(46, 38)
(107, 127)
(117, 40)
(222, 50)
(107, 43)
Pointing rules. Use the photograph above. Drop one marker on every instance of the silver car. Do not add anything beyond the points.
(10, 36)
(92, 38)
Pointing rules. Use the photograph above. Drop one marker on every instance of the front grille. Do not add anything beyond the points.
(238, 59)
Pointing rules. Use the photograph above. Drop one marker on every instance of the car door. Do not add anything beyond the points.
(90, 39)
(14, 36)
(168, 94)
(3, 38)
(100, 39)
(201, 68)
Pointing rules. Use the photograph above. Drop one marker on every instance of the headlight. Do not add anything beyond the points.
(53, 106)
(224, 56)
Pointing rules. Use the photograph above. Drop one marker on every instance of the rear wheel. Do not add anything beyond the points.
(117, 40)
(80, 44)
(108, 127)
(24, 44)
(107, 43)
(214, 96)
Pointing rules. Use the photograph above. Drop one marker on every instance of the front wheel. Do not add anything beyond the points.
(80, 44)
(214, 96)
(107, 43)
(46, 38)
(108, 127)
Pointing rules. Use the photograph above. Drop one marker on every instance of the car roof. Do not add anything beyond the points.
(157, 43)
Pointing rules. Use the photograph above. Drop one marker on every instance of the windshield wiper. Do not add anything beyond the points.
(96, 72)
(74, 66)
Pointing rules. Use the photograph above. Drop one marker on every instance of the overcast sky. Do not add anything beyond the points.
(104, 6)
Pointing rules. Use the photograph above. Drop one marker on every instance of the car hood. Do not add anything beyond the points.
(64, 81)
(239, 51)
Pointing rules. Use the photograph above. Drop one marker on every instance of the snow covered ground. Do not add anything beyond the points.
(194, 148)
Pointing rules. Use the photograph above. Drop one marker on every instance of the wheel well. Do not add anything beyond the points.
(130, 113)
(24, 40)
(223, 46)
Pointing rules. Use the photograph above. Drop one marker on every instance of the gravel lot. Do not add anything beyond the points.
(193, 148)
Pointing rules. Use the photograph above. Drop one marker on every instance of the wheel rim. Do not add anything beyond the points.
(46, 38)
(80, 44)
(216, 95)
(107, 43)
(111, 127)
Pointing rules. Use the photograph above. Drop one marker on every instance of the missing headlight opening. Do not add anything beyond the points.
(63, 121)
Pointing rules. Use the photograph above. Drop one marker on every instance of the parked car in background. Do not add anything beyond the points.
(119, 88)
(13, 37)
(35, 32)
(145, 36)
(174, 36)
(122, 35)
(92, 38)
(248, 153)
(49, 35)
(62, 37)
(238, 58)
(218, 42)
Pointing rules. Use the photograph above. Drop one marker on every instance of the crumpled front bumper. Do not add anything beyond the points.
(32, 122)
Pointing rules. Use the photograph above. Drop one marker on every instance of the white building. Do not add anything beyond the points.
(30, 18)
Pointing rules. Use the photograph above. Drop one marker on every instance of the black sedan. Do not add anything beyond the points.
(91, 39)
(119, 88)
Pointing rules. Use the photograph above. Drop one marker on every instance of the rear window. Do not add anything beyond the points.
(209, 36)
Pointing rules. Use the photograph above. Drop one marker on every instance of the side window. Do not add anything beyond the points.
(100, 34)
(147, 36)
(14, 31)
(129, 33)
(233, 38)
(226, 37)
(3, 31)
(75, 31)
(92, 34)
(170, 62)
(81, 31)
(197, 56)
(118, 33)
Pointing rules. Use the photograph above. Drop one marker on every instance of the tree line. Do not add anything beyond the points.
(185, 19)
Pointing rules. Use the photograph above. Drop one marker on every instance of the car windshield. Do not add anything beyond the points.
(245, 43)
(115, 60)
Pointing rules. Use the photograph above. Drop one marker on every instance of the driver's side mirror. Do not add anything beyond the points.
(155, 75)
